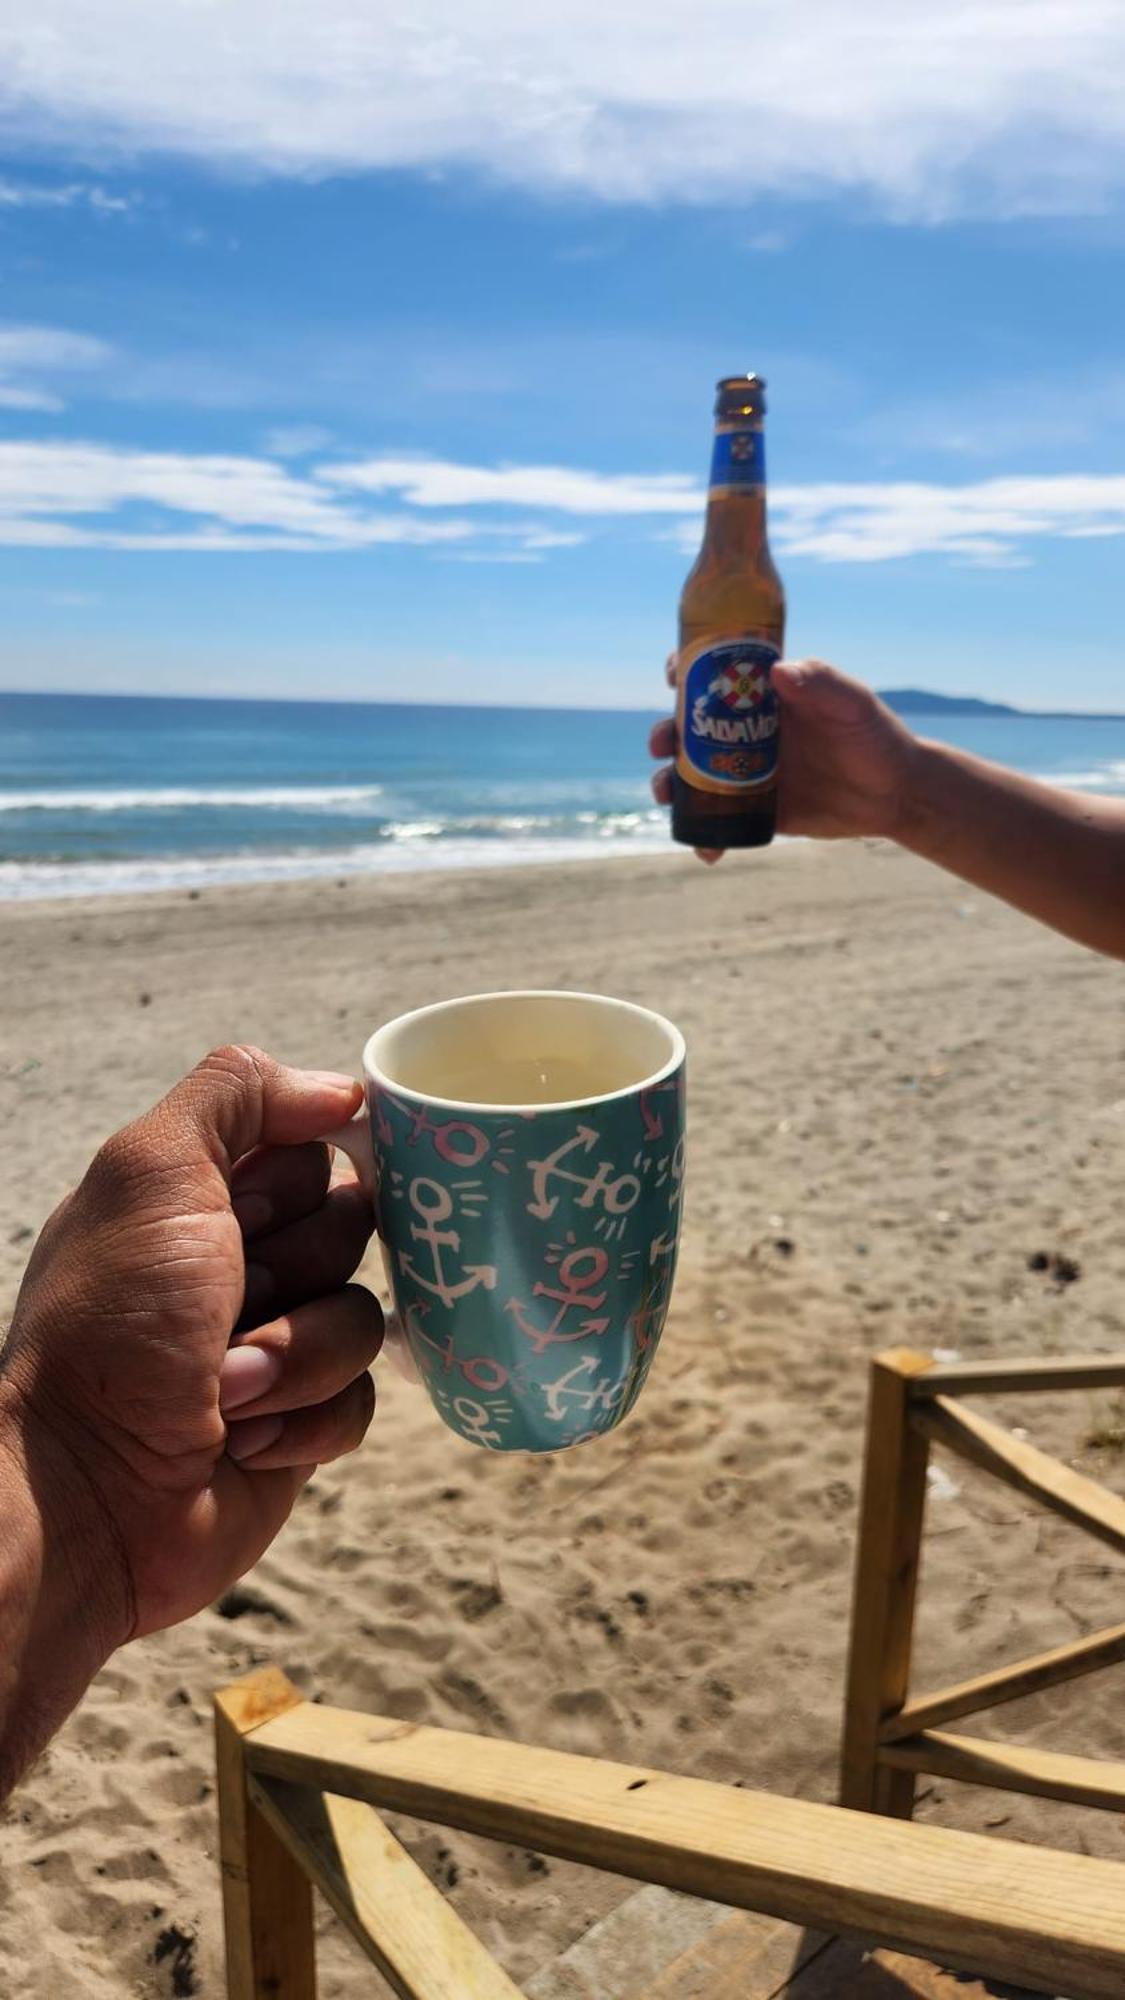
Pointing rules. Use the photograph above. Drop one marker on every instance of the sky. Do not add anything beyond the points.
(353, 356)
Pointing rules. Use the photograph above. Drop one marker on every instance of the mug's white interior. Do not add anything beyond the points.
(524, 1050)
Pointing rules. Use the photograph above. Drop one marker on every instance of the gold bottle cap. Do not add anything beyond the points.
(740, 395)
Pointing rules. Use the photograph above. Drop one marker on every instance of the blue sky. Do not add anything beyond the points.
(347, 358)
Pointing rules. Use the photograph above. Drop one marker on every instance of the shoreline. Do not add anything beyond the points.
(406, 858)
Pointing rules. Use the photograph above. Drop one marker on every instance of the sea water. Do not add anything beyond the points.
(101, 793)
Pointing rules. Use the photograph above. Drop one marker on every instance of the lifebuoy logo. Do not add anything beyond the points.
(730, 717)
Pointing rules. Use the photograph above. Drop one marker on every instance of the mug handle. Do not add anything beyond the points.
(354, 1139)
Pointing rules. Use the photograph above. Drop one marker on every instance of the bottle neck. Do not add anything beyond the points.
(736, 496)
(738, 458)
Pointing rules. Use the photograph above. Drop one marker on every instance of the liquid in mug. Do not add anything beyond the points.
(480, 1078)
(732, 630)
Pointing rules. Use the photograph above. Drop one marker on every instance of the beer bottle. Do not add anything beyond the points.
(732, 628)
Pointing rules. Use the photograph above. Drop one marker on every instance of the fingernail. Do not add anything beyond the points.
(255, 1435)
(247, 1372)
(258, 1291)
(332, 1079)
(253, 1212)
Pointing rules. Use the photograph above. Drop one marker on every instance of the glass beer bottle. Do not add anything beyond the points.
(732, 629)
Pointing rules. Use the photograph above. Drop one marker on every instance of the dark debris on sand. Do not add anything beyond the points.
(176, 1944)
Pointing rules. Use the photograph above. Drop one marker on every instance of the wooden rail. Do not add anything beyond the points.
(1025, 1467)
(888, 1737)
(886, 1578)
(1052, 1920)
(1013, 1767)
(403, 1924)
(1031, 1676)
(301, 1787)
(994, 1378)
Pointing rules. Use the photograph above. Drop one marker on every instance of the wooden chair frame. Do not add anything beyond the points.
(301, 1786)
(889, 1737)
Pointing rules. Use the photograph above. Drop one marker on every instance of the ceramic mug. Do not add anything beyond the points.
(525, 1154)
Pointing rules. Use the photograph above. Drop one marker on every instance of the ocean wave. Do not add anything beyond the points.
(163, 798)
(507, 826)
(26, 880)
(1107, 777)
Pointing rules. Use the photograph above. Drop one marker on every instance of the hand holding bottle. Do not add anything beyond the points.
(846, 763)
(850, 767)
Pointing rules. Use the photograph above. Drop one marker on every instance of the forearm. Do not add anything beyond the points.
(62, 1610)
(1058, 855)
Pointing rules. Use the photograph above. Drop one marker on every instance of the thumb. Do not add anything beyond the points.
(238, 1098)
(821, 690)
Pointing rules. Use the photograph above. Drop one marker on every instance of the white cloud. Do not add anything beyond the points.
(296, 440)
(1014, 106)
(13, 398)
(86, 495)
(38, 352)
(986, 522)
(73, 194)
(47, 347)
(436, 482)
(990, 522)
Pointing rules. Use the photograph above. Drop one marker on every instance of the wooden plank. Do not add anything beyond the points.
(984, 1906)
(388, 1903)
(267, 1901)
(986, 1378)
(1031, 1676)
(848, 1972)
(748, 1957)
(1025, 1467)
(886, 1577)
(1014, 1767)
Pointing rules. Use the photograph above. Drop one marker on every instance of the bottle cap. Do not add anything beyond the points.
(740, 395)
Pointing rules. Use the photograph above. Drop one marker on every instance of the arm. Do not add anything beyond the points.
(850, 767)
(185, 1351)
(64, 1604)
(1060, 856)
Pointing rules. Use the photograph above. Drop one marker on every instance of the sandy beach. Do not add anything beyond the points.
(901, 1094)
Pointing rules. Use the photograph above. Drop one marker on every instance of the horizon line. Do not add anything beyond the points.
(942, 701)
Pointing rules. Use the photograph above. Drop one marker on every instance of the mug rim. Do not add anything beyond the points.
(380, 1077)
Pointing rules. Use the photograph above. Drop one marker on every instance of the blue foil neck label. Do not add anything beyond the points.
(727, 715)
(739, 458)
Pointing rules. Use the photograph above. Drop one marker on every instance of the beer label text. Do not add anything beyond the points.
(728, 721)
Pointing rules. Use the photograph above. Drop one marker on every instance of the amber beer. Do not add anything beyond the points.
(732, 629)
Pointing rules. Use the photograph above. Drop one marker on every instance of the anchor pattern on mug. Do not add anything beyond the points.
(532, 1256)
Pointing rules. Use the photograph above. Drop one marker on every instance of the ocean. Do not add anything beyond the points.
(104, 793)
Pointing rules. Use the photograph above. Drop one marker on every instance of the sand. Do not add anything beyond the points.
(900, 1094)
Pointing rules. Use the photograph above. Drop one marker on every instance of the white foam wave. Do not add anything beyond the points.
(509, 825)
(1107, 777)
(161, 798)
(22, 881)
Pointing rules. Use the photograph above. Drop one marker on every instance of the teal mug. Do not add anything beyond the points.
(525, 1153)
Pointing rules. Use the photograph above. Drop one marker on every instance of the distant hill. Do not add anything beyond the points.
(923, 701)
(919, 701)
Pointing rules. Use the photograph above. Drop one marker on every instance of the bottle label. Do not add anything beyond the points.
(727, 715)
(739, 458)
